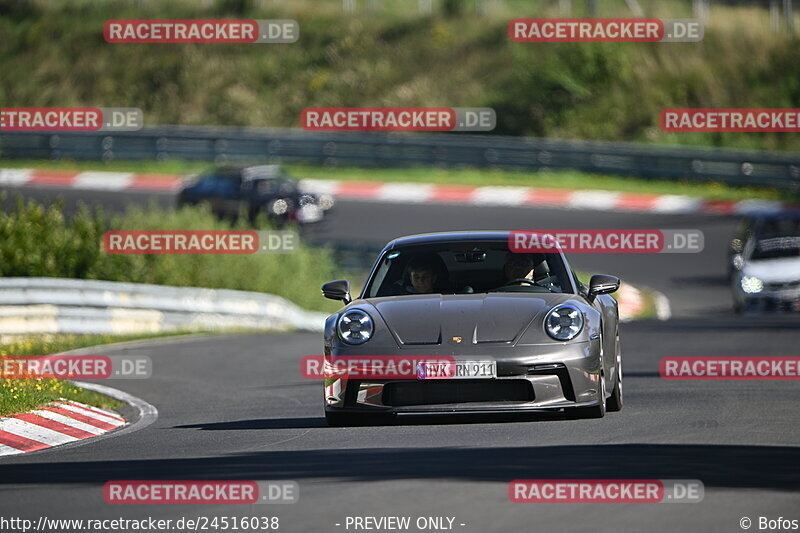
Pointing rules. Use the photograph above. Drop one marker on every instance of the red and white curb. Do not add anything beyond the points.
(419, 193)
(631, 302)
(54, 424)
(414, 193)
(90, 180)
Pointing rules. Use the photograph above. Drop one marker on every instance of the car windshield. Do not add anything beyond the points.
(264, 172)
(465, 268)
(776, 247)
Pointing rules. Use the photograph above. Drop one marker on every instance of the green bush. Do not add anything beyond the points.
(40, 241)
(53, 54)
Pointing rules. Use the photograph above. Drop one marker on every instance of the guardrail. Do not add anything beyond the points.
(57, 305)
(373, 150)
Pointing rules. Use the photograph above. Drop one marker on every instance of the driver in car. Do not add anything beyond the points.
(518, 266)
(526, 266)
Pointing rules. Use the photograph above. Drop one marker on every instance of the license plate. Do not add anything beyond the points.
(457, 370)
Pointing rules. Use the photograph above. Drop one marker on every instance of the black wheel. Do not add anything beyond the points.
(615, 400)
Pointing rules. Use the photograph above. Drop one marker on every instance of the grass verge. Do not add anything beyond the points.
(39, 241)
(394, 54)
(21, 395)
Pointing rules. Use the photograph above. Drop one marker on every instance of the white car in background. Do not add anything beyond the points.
(768, 278)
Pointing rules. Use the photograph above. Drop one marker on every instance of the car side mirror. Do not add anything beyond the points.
(602, 284)
(337, 290)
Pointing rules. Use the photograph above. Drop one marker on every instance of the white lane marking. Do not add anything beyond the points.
(670, 203)
(147, 413)
(77, 424)
(8, 450)
(15, 176)
(106, 412)
(319, 186)
(34, 432)
(84, 412)
(604, 200)
(112, 181)
(663, 310)
(630, 303)
(500, 195)
(405, 192)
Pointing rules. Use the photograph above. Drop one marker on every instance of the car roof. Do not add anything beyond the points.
(253, 172)
(449, 236)
(774, 215)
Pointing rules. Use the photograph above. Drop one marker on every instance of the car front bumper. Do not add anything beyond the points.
(769, 300)
(557, 377)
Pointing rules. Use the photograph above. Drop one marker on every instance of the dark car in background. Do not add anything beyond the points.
(251, 191)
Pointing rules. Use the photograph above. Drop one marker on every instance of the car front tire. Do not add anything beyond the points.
(615, 400)
(597, 411)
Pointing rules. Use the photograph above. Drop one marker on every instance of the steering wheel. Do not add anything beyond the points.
(520, 281)
(525, 281)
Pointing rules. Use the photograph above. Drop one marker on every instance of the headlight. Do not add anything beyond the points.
(325, 201)
(752, 285)
(355, 327)
(738, 261)
(564, 322)
(280, 207)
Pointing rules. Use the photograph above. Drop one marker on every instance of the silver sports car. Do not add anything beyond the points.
(483, 328)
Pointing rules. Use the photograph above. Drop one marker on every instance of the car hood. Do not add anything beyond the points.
(780, 270)
(479, 318)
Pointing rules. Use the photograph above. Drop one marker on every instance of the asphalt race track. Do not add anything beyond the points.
(235, 407)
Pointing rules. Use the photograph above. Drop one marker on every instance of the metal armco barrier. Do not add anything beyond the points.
(57, 305)
(373, 150)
